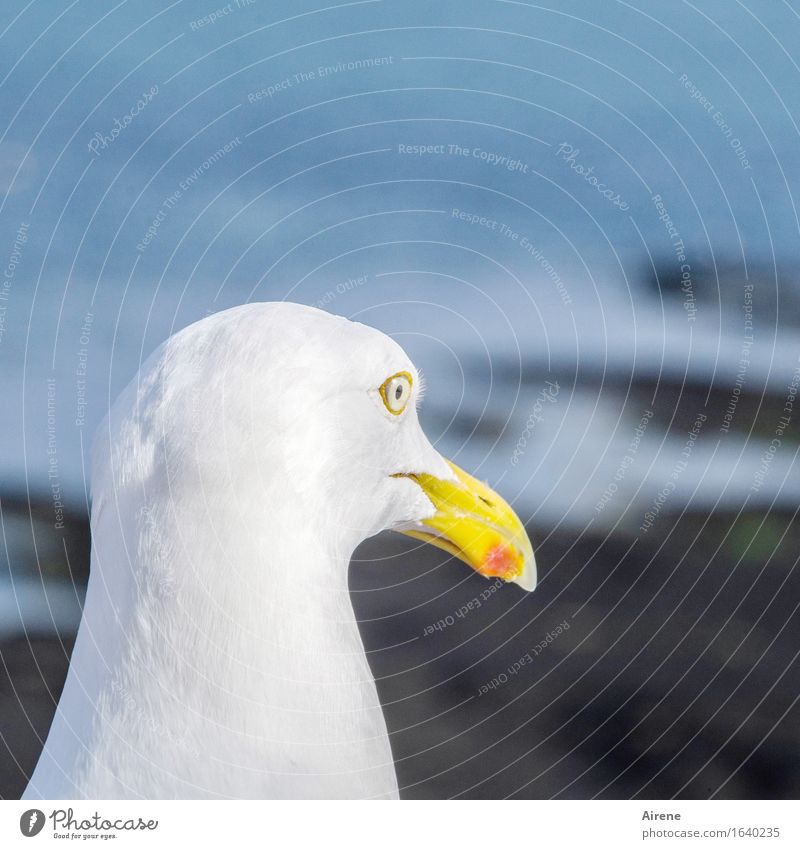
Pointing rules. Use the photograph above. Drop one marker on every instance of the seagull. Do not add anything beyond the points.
(218, 654)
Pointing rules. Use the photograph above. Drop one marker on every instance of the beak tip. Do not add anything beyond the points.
(527, 578)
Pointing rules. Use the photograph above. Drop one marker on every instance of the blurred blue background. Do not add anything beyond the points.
(580, 221)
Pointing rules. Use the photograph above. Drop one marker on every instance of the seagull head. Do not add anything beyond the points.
(313, 415)
(331, 406)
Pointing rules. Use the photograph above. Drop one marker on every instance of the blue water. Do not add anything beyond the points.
(519, 244)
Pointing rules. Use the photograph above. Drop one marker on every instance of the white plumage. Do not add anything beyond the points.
(219, 655)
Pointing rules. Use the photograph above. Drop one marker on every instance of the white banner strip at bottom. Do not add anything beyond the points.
(400, 825)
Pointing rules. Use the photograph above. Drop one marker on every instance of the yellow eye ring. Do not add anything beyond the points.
(396, 392)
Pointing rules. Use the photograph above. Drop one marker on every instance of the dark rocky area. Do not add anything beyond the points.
(677, 676)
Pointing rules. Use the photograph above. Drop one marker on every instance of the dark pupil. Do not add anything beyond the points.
(398, 393)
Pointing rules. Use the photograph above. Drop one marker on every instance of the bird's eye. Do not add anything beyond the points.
(396, 391)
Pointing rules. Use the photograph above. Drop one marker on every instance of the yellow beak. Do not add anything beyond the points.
(473, 523)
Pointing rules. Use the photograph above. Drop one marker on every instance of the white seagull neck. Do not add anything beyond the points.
(219, 656)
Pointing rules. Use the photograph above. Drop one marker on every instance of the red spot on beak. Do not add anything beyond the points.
(502, 561)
